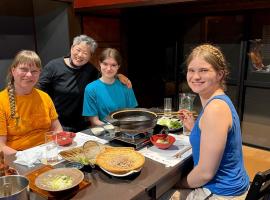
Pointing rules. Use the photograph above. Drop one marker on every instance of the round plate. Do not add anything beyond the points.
(120, 160)
(44, 181)
(121, 175)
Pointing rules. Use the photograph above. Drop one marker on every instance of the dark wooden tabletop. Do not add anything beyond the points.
(153, 180)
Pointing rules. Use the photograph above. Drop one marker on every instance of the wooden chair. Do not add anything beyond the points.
(260, 187)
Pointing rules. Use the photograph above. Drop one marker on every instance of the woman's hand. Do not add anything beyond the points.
(124, 80)
(187, 118)
(6, 149)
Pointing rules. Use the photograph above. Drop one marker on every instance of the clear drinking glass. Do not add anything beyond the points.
(51, 147)
(167, 106)
(186, 102)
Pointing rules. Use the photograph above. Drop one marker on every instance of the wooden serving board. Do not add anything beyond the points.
(67, 194)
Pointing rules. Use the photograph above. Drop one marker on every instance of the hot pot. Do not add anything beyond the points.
(133, 120)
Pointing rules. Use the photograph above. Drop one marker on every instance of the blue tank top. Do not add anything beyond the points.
(231, 178)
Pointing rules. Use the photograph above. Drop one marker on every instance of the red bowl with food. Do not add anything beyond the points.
(64, 138)
(162, 141)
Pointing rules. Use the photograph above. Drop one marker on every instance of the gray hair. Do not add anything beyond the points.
(85, 39)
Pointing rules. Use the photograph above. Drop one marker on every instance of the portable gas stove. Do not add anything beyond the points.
(136, 140)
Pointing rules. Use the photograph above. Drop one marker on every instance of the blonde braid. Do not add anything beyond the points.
(12, 101)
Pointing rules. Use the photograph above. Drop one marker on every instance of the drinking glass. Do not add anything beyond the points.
(186, 102)
(167, 106)
(51, 147)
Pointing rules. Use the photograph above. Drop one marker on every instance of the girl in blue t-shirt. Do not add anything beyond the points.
(107, 93)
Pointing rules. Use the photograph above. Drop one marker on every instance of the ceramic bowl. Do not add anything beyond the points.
(162, 141)
(64, 138)
(59, 179)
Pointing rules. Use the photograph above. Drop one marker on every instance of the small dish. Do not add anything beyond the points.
(99, 130)
(59, 179)
(162, 141)
(64, 138)
(121, 175)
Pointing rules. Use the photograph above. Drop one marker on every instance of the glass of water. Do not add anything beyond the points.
(186, 102)
(51, 147)
(167, 106)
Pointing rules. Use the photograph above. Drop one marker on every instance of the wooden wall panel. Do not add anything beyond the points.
(102, 29)
(106, 31)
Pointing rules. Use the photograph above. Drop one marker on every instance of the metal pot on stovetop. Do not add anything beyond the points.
(133, 120)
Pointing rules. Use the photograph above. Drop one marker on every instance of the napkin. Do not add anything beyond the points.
(30, 157)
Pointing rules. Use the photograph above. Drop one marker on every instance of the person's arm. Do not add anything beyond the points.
(123, 79)
(56, 126)
(6, 149)
(95, 121)
(214, 124)
(45, 79)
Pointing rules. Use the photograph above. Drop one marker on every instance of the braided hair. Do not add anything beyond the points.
(26, 57)
(214, 57)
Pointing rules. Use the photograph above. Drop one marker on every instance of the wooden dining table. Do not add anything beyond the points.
(150, 183)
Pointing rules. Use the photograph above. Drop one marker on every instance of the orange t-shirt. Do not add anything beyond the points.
(36, 112)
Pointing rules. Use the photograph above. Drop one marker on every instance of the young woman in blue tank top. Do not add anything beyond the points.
(218, 171)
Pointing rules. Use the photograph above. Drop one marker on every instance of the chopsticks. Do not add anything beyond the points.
(194, 113)
(168, 113)
(179, 154)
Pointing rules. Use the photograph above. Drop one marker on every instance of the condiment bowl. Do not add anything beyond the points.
(162, 141)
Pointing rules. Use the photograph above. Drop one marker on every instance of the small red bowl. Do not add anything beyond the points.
(162, 141)
(64, 138)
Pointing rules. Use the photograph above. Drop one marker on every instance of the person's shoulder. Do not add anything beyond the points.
(55, 61)
(93, 84)
(122, 85)
(42, 93)
(89, 67)
(217, 107)
(3, 93)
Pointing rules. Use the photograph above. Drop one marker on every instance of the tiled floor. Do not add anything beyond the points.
(255, 160)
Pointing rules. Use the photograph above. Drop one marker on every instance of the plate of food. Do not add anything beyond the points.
(121, 175)
(120, 161)
(59, 179)
(173, 124)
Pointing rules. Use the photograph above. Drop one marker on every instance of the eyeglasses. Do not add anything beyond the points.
(25, 70)
(81, 52)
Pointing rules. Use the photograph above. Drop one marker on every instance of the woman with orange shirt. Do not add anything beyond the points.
(26, 113)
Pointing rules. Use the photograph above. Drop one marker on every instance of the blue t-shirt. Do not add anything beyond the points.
(101, 98)
(231, 178)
